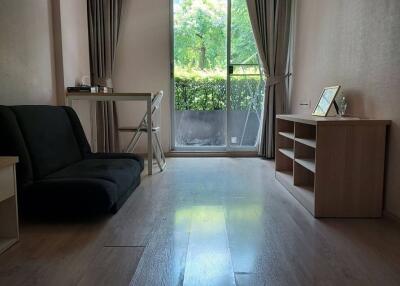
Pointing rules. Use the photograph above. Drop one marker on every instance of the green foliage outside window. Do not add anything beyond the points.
(206, 90)
(200, 35)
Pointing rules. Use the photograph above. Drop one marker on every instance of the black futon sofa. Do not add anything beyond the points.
(57, 171)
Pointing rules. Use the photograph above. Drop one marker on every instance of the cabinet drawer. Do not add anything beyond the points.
(6, 183)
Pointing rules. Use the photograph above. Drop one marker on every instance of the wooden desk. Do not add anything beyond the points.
(94, 97)
(9, 230)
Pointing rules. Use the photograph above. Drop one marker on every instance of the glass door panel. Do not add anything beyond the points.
(200, 64)
(245, 82)
(218, 87)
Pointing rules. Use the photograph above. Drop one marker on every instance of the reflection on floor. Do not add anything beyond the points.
(207, 221)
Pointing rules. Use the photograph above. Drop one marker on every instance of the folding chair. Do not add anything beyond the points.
(144, 128)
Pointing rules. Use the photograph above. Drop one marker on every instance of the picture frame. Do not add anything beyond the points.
(326, 100)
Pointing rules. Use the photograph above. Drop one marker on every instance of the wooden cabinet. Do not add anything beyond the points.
(333, 166)
(9, 233)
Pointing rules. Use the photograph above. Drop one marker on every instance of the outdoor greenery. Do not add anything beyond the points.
(197, 90)
(200, 32)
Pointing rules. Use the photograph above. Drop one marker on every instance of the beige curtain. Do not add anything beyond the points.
(104, 18)
(270, 20)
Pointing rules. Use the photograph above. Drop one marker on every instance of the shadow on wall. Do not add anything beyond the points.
(356, 102)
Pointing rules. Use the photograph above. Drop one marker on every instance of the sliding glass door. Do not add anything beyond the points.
(245, 84)
(200, 60)
(216, 77)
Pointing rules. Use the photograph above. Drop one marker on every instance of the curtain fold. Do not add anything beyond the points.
(104, 17)
(271, 22)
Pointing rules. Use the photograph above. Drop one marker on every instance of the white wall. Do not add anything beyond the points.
(75, 52)
(43, 49)
(29, 63)
(26, 53)
(75, 41)
(142, 62)
(354, 43)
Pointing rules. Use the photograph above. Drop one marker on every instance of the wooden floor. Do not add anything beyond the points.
(207, 221)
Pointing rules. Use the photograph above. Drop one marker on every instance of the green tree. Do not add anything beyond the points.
(243, 48)
(200, 33)
(200, 45)
(200, 28)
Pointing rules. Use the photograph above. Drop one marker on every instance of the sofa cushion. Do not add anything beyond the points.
(49, 138)
(135, 157)
(122, 172)
(70, 195)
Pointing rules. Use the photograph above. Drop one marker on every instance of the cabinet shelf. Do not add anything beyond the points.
(309, 142)
(6, 243)
(9, 233)
(289, 135)
(287, 175)
(306, 195)
(287, 152)
(309, 164)
(303, 194)
(350, 156)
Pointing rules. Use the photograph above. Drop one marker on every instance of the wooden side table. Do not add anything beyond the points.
(9, 230)
(334, 166)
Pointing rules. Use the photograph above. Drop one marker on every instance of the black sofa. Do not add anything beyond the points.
(57, 172)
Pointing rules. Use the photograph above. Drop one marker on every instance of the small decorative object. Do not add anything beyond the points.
(325, 102)
(85, 81)
(342, 105)
(105, 85)
(109, 83)
(105, 89)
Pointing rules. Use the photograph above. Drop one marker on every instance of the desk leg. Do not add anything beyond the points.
(149, 138)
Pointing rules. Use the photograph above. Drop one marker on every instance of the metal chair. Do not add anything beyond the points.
(144, 128)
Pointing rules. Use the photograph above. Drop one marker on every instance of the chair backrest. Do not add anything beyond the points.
(156, 108)
(46, 137)
(155, 111)
(157, 99)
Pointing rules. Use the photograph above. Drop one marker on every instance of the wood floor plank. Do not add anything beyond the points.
(208, 259)
(163, 260)
(207, 221)
(112, 266)
(249, 279)
(133, 225)
(50, 255)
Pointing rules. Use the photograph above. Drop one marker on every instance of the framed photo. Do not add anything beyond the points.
(325, 101)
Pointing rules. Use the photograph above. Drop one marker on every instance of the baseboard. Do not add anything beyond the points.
(188, 154)
(199, 154)
(391, 216)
